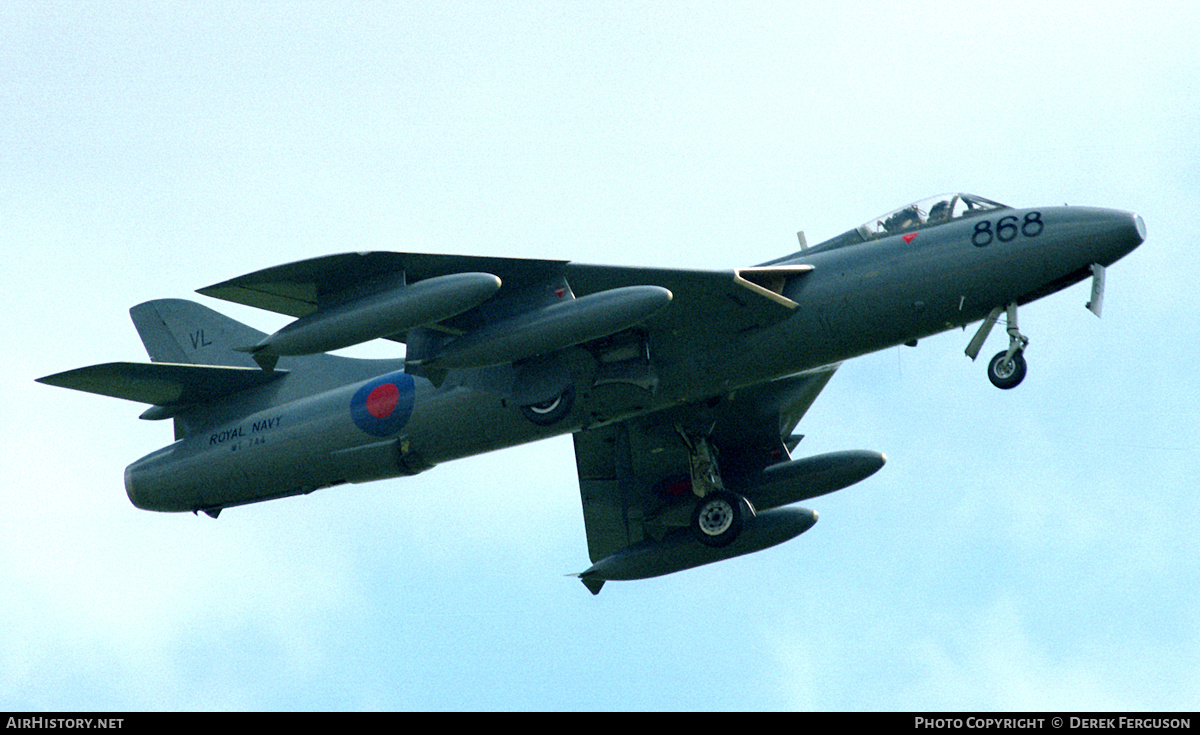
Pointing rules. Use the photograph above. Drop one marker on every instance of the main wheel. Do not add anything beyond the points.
(551, 411)
(718, 517)
(1006, 374)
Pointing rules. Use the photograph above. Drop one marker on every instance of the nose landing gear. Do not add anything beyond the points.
(1006, 372)
(1007, 369)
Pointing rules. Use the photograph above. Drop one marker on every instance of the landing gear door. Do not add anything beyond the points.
(1095, 304)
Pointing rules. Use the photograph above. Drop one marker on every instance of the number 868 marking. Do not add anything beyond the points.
(1007, 229)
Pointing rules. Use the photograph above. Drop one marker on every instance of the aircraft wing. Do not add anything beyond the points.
(731, 300)
(305, 287)
(634, 476)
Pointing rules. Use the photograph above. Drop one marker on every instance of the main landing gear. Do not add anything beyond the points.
(1007, 369)
(551, 411)
(718, 516)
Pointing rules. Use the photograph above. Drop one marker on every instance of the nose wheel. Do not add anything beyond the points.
(1007, 369)
(1007, 372)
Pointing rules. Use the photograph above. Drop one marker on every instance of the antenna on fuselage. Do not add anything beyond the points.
(803, 242)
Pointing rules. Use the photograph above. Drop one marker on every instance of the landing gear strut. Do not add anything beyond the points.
(718, 515)
(1007, 369)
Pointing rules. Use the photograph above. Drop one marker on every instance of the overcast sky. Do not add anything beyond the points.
(1028, 549)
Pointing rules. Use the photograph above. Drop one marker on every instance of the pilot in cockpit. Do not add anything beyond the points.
(905, 219)
(939, 212)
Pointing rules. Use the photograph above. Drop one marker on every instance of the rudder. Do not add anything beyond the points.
(180, 331)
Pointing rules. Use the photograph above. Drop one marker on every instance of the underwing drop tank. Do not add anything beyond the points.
(382, 314)
(680, 550)
(552, 328)
(801, 479)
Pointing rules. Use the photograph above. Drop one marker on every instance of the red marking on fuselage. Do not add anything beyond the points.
(382, 401)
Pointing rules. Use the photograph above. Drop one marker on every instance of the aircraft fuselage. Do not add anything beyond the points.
(858, 298)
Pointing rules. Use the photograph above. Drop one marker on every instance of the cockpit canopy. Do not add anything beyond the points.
(931, 211)
(925, 213)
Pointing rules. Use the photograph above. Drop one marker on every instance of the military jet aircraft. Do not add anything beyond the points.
(681, 388)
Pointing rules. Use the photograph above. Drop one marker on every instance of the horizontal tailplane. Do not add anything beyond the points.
(169, 387)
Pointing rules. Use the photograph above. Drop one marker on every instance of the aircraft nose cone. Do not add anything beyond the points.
(1140, 226)
(1130, 233)
(1118, 234)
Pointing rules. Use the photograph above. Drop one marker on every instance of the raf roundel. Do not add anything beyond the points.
(383, 406)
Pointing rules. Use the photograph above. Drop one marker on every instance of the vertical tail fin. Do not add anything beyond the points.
(175, 330)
